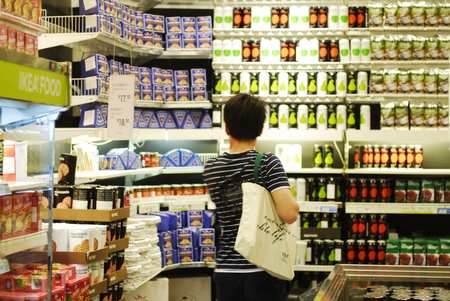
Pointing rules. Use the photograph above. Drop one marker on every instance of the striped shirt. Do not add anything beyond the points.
(228, 212)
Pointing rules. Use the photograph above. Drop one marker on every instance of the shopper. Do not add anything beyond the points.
(236, 279)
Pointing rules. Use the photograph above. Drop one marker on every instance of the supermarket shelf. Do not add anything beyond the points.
(316, 171)
(173, 105)
(273, 2)
(389, 96)
(182, 4)
(88, 215)
(182, 170)
(324, 207)
(410, 64)
(398, 171)
(187, 54)
(22, 243)
(118, 245)
(92, 176)
(80, 257)
(296, 135)
(135, 286)
(281, 33)
(175, 134)
(397, 208)
(142, 5)
(314, 268)
(117, 277)
(283, 66)
(30, 183)
(408, 29)
(287, 99)
(195, 265)
(98, 288)
(400, 136)
(23, 24)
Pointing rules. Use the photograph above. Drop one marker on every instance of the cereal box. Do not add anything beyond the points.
(208, 254)
(95, 65)
(185, 254)
(198, 77)
(189, 24)
(174, 41)
(173, 24)
(204, 24)
(189, 40)
(185, 238)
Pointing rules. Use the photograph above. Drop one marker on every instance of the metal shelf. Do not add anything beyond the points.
(314, 268)
(31, 183)
(408, 29)
(296, 135)
(22, 243)
(173, 105)
(183, 4)
(398, 171)
(391, 96)
(142, 5)
(287, 99)
(400, 136)
(411, 64)
(24, 24)
(317, 171)
(397, 208)
(182, 170)
(198, 53)
(92, 176)
(247, 33)
(283, 66)
(135, 286)
(324, 207)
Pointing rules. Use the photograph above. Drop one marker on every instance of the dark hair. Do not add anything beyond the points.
(244, 116)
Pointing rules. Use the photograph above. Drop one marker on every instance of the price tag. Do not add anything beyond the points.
(121, 107)
(328, 209)
(443, 211)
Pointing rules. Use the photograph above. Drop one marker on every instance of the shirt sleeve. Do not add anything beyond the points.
(273, 174)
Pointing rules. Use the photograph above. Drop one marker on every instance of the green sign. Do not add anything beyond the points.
(25, 83)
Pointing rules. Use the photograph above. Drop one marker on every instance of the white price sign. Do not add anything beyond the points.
(121, 107)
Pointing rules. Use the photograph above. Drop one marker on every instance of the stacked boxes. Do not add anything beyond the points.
(17, 40)
(189, 32)
(176, 119)
(186, 237)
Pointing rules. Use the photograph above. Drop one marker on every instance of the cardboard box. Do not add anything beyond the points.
(94, 115)
(6, 217)
(15, 160)
(95, 65)
(173, 25)
(189, 24)
(90, 215)
(190, 288)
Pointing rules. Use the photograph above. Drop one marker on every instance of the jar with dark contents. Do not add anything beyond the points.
(373, 190)
(381, 251)
(385, 191)
(362, 251)
(352, 190)
(364, 188)
(371, 252)
(317, 251)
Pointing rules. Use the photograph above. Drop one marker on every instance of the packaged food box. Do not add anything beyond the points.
(387, 116)
(3, 35)
(145, 119)
(138, 37)
(6, 217)
(146, 92)
(95, 85)
(166, 240)
(195, 219)
(115, 67)
(78, 289)
(413, 193)
(427, 193)
(208, 254)
(110, 8)
(91, 7)
(443, 119)
(433, 249)
(173, 25)
(206, 121)
(95, 65)
(181, 78)
(206, 237)
(123, 159)
(139, 19)
(420, 248)
(406, 252)
(198, 77)
(148, 22)
(204, 24)
(444, 252)
(174, 41)
(185, 238)
(182, 94)
(185, 255)
(400, 191)
(170, 121)
(157, 40)
(189, 40)
(157, 76)
(188, 122)
(392, 252)
(417, 119)
(145, 75)
(167, 76)
(168, 258)
(189, 24)
(137, 116)
(158, 92)
(93, 115)
(402, 116)
(199, 93)
(158, 23)
(204, 40)
(133, 70)
(148, 38)
(181, 219)
(196, 116)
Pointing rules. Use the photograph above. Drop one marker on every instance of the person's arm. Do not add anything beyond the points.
(285, 205)
(277, 183)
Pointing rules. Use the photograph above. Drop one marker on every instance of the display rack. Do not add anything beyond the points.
(314, 268)
(397, 208)
(22, 243)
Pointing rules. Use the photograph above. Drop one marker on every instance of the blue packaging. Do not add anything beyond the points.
(139, 19)
(185, 255)
(137, 116)
(167, 75)
(206, 237)
(172, 220)
(95, 85)
(132, 17)
(157, 76)
(206, 122)
(185, 238)
(182, 94)
(138, 37)
(198, 77)
(173, 24)
(197, 254)
(123, 159)
(207, 254)
(145, 75)
(189, 24)
(174, 41)
(158, 23)
(199, 93)
(170, 122)
(91, 7)
(189, 40)
(208, 218)
(115, 67)
(162, 115)
(181, 219)
(181, 78)
(126, 31)
(165, 240)
(134, 70)
(158, 40)
(110, 8)
(98, 23)
(158, 94)
(196, 116)
(180, 117)
(121, 11)
(94, 65)
(137, 90)
(145, 118)
(195, 218)
(204, 24)
(163, 226)
(204, 40)
(169, 94)
(167, 258)
(93, 115)
(189, 122)
(148, 38)
(153, 123)
(146, 92)
(180, 158)
(148, 22)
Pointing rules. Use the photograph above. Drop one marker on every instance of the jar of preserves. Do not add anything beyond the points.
(198, 189)
(418, 156)
(166, 190)
(178, 189)
(393, 158)
(188, 189)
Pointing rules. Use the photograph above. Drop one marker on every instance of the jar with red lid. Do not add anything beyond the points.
(393, 158)
(188, 189)
(362, 251)
(198, 189)
(371, 252)
(350, 251)
(384, 157)
(373, 190)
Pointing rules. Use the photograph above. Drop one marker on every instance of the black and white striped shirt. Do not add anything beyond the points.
(228, 214)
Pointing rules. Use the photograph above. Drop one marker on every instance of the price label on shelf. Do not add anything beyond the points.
(443, 211)
(328, 209)
(121, 107)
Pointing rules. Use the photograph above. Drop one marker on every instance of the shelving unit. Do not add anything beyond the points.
(323, 207)
(316, 171)
(314, 268)
(281, 66)
(187, 54)
(288, 99)
(22, 243)
(398, 171)
(397, 208)
(399, 136)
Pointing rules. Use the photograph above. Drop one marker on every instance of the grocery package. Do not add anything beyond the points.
(387, 156)
(17, 40)
(180, 158)
(188, 32)
(122, 159)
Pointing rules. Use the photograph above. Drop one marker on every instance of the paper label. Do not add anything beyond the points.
(121, 107)
(89, 118)
(338, 255)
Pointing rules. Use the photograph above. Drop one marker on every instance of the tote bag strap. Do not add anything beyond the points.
(256, 170)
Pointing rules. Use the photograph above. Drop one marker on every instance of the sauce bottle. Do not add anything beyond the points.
(275, 17)
(362, 251)
(350, 252)
(237, 17)
(373, 191)
(381, 251)
(371, 252)
(373, 226)
(313, 17)
(246, 17)
(382, 227)
(284, 17)
(364, 188)
(323, 17)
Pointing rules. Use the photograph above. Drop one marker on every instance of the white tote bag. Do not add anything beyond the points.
(263, 238)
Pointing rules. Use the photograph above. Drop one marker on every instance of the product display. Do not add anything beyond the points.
(418, 251)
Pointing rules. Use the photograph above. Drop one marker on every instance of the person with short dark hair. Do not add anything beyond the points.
(237, 279)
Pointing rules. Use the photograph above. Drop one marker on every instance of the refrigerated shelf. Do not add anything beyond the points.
(397, 208)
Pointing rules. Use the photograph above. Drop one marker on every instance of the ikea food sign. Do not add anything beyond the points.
(40, 84)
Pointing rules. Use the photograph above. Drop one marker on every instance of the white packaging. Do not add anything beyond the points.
(227, 51)
(344, 51)
(264, 83)
(266, 17)
(343, 17)
(341, 115)
(333, 17)
(302, 51)
(218, 17)
(364, 119)
(275, 53)
(341, 83)
(300, 258)
(15, 160)
(362, 82)
(266, 49)
(302, 117)
(313, 51)
(82, 270)
(256, 18)
(365, 50)
(322, 80)
(294, 17)
(283, 117)
(301, 190)
(228, 17)
(290, 156)
(226, 83)
(302, 83)
(304, 17)
(236, 51)
(283, 83)
(60, 238)
(80, 238)
(244, 80)
(322, 117)
(217, 51)
(355, 47)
